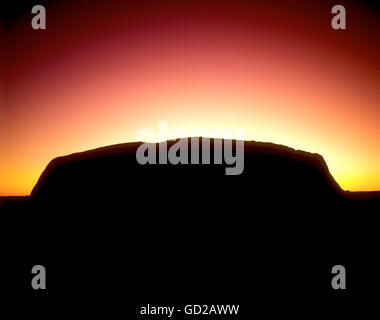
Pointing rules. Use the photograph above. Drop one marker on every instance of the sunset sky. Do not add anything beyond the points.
(103, 70)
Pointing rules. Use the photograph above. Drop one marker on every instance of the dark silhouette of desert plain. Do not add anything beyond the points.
(107, 227)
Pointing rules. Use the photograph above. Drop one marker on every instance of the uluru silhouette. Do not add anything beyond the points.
(106, 227)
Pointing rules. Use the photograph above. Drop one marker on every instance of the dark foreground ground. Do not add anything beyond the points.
(114, 235)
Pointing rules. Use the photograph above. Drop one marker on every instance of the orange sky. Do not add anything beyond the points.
(100, 74)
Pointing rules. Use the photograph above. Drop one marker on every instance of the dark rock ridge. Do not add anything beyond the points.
(270, 168)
